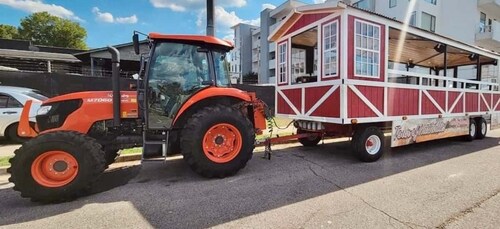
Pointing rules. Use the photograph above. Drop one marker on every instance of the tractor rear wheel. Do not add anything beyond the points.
(217, 141)
(110, 155)
(57, 166)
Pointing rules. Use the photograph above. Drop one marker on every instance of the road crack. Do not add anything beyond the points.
(408, 224)
(467, 211)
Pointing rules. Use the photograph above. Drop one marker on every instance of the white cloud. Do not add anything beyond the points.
(184, 5)
(318, 1)
(224, 20)
(127, 20)
(268, 6)
(34, 6)
(109, 18)
(103, 16)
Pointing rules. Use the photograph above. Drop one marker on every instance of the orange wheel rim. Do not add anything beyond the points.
(54, 169)
(222, 143)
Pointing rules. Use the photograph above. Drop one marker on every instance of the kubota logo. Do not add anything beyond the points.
(99, 100)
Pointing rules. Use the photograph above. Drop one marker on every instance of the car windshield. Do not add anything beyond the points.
(36, 95)
(222, 69)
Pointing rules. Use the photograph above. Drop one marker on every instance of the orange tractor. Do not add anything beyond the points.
(183, 104)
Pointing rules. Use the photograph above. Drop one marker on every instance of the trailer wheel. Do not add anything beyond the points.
(57, 166)
(482, 128)
(217, 141)
(472, 131)
(309, 141)
(368, 144)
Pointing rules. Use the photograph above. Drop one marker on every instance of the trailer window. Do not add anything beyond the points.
(282, 63)
(330, 47)
(367, 47)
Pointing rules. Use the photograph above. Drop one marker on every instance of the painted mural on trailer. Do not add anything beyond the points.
(407, 132)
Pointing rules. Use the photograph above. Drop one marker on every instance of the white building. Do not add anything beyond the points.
(475, 22)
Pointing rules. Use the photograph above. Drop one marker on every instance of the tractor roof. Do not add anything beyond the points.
(193, 38)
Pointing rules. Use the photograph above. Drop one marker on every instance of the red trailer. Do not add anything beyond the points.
(343, 71)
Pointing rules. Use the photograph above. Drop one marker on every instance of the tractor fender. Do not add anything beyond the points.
(258, 116)
(211, 93)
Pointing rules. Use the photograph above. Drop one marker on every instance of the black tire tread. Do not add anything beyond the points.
(358, 143)
(188, 142)
(89, 144)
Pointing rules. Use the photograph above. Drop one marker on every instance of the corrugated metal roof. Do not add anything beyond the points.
(31, 55)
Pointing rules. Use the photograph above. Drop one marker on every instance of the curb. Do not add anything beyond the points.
(3, 170)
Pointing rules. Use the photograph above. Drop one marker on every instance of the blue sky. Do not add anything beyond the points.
(113, 21)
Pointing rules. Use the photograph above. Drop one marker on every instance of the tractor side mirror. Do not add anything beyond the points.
(135, 39)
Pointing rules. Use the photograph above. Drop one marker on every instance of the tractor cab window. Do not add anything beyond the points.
(176, 72)
(222, 69)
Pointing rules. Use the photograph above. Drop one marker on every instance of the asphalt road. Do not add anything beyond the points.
(446, 184)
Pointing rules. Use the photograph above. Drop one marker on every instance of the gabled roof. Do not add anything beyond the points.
(295, 15)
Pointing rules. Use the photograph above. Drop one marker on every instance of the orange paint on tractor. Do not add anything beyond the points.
(259, 115)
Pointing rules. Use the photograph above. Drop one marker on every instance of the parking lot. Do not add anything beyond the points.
(446, 183)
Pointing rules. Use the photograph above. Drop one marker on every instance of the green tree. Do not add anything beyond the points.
(8, 32)
(45, 29)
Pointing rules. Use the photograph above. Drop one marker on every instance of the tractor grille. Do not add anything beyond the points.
(58, 114)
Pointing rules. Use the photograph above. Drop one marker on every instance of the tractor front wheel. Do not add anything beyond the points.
(57, 166)
(217, 141)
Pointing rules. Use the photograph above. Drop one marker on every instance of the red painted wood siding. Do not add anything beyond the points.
(471, 102)
(428, 107)
(313, 94)
(283, 107)
(402, 101)
(356, 107)
(305, 20)
(496, 98)
(330, 107)
(484, 105)
(295, 96)
(452, 97)
(350, 50)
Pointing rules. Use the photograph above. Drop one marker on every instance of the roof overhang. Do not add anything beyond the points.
(31, 55)
(294, 15)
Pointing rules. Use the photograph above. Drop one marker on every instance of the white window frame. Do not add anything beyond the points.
(284, 62)
(324, 50)
(377, 52)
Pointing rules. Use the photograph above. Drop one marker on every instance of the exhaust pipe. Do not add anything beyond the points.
(115, 81)
(210, 18)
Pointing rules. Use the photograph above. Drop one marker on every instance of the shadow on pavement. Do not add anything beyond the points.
(169, 195)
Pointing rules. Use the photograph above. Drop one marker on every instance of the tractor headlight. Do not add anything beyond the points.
(43, 110)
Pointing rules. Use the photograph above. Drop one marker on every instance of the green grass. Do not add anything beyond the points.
(4, 161)
(136, 150)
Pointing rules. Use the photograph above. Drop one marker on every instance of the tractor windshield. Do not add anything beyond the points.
(222, 69)
(176, 72)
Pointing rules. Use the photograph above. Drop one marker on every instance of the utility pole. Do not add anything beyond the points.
(210, 18)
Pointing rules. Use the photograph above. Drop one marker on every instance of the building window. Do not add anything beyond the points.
(433, 2)
(482, 23)
(365, 4)
(413, 18)
(282, 63)
(428, 22)
(367, 47)
(393, 3)
(330, 47)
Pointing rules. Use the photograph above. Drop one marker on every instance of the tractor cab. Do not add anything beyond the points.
(178, 67)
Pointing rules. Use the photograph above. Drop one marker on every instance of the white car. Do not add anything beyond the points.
(12, 100)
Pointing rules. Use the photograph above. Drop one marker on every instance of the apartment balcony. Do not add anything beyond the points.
(489, 36)
(272, 64)
(490, 7)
